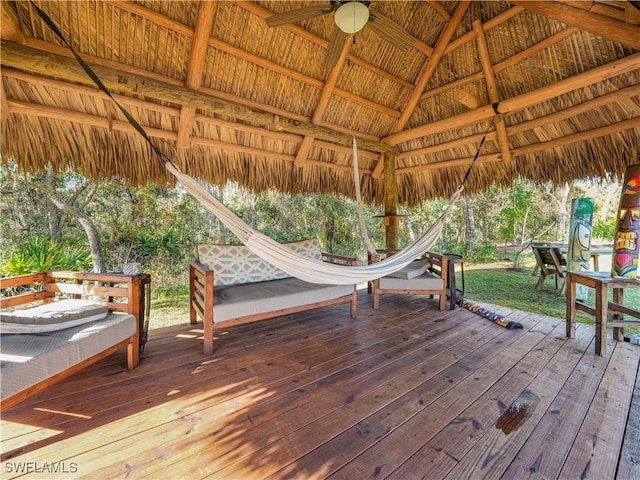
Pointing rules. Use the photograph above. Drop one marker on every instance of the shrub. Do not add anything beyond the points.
(38, 254)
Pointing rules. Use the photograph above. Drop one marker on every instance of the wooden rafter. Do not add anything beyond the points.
(175, 112)
(10, 26)
(492, 89)
(425, 73)
(429, 66)
(323, 102)
(601, 25)
(521, 102)
(498, 67)
(188, 32)
(44, 63)
(204, 24)
(56, 113)
(532, 148)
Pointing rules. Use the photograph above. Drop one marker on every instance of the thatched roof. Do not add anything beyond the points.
(228, 97)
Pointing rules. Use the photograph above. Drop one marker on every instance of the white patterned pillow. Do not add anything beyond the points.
(236, 264)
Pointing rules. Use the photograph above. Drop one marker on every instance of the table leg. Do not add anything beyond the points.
(571, 307)
(618, 297)
(601, 318)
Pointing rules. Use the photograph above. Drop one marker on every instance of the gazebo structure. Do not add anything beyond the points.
(270, 94)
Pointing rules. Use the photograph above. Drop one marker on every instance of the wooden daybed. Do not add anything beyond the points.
(54, 337)
(229, 285)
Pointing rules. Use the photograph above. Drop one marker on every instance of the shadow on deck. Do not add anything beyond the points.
(406, 391)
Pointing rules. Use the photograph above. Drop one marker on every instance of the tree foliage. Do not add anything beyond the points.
(159, 226)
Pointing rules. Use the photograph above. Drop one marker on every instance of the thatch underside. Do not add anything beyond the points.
(228, 98)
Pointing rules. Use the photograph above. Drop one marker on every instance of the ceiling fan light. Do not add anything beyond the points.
(351, 17)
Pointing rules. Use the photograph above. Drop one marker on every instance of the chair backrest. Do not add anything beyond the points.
(549, 258)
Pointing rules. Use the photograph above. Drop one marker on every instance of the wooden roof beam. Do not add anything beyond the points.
(535, 147)
(204, 24)
(521, 102)
(10, 25)
(187, 31)
(47, 64)
(498, 67)
(175, 112)
(55, 113)
(427, 70)
(603, 26)
(429, 66)
(492, 88)
(608, 99)
(323, 102)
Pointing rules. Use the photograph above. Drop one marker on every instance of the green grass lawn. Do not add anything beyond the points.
(516, 288)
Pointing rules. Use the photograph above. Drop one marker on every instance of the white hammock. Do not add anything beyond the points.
(313, 271)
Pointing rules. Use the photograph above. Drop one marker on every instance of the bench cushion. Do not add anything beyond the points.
(425, 281)
(26, 360)
(262, 297)
(236, 264)
(414, 269)
(52, 316)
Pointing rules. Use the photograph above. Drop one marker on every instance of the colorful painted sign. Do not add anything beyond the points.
(579, 251)
(624, 262)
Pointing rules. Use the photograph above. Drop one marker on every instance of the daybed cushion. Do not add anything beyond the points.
(26, 360)
(426, 281)
(414, 269)
(243, 300)
(236, 264)
(49, 317)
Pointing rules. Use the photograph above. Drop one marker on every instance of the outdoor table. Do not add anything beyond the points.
(601, 282)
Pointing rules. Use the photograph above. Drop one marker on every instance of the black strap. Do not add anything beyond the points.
(99, 83)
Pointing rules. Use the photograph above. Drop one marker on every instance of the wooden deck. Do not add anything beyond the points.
(407, 391)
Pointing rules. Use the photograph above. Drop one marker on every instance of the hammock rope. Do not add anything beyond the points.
(310, 270)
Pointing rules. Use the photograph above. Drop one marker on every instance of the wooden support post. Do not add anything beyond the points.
(390, 201)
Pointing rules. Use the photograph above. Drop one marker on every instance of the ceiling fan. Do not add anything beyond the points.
(350, 16)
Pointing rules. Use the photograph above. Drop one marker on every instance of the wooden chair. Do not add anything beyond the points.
(550, 261)
(431, 279)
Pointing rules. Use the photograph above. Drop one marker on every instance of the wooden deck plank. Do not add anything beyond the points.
(484, 367)
(629, 465)
(545, 451)
(293, 406)
(494, 448)
(443, 452)
(118, 393)
(318, 394)
(602, 431)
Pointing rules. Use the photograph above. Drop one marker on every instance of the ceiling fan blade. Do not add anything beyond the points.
(334, 49)
(296, 15)
(390, 31)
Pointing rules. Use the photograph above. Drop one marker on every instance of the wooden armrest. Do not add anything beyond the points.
(339, 259)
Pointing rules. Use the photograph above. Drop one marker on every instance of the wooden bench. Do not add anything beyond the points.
(606, 313)
(33, 361)
(229, 285)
